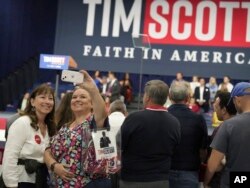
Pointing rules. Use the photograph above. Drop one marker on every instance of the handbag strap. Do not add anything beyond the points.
(21, 162)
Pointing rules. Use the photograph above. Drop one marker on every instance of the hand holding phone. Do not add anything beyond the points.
(72, 76)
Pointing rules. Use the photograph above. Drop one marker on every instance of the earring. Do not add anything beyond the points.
(33, 109)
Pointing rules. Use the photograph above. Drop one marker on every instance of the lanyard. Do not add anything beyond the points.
(156, 108)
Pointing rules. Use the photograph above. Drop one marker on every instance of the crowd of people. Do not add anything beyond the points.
(111, 88)
(202, 92)
(163, 145)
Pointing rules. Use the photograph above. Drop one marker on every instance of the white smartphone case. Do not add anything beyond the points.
(72, 76)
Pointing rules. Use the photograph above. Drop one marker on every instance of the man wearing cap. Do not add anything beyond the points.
(232, 139)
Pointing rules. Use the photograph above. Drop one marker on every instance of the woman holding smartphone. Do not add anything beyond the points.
(67, 151)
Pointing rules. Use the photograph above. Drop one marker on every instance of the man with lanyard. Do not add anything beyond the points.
(149, 138)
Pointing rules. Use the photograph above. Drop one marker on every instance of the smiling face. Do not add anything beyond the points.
(81, 101)
(43, 103)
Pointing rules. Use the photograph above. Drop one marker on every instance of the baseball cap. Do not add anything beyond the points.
(239, 90)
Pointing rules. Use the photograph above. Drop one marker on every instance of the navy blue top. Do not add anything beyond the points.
(193, 138)
(149, 138)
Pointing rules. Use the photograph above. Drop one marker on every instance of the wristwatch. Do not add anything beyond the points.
(52, 166)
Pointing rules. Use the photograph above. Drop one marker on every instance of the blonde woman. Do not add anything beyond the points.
(67, 151)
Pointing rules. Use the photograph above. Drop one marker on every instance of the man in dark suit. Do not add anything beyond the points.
(103, 87)
(202, 95)
(113, 87)
(104, 141)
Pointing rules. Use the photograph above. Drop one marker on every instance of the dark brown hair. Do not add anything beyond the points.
(49, 119)
(64, 113)
(224, 102)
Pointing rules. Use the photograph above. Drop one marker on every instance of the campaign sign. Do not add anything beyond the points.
(105, 144)
(59, 62)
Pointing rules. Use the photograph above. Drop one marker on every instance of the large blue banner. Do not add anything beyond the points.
(194, 37)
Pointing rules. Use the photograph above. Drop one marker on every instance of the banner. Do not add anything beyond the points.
(194, 37)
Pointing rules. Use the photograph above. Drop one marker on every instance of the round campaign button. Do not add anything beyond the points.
(38, 139)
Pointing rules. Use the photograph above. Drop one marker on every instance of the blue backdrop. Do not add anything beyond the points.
(93, 50)
(30, 28)
(27, 29)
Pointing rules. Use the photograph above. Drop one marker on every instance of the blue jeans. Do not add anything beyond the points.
(99, 183)
(183, 179)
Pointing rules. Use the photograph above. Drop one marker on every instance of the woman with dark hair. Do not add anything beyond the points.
(64, 112)
(127, 89)
(226, 83)
(27, 140)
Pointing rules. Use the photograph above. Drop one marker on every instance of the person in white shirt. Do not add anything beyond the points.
(195, 83)
(117, 114)
(103, 88)
(27, 139)
(226, 81)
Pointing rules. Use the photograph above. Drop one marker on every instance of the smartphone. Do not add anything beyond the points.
(72, 76)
